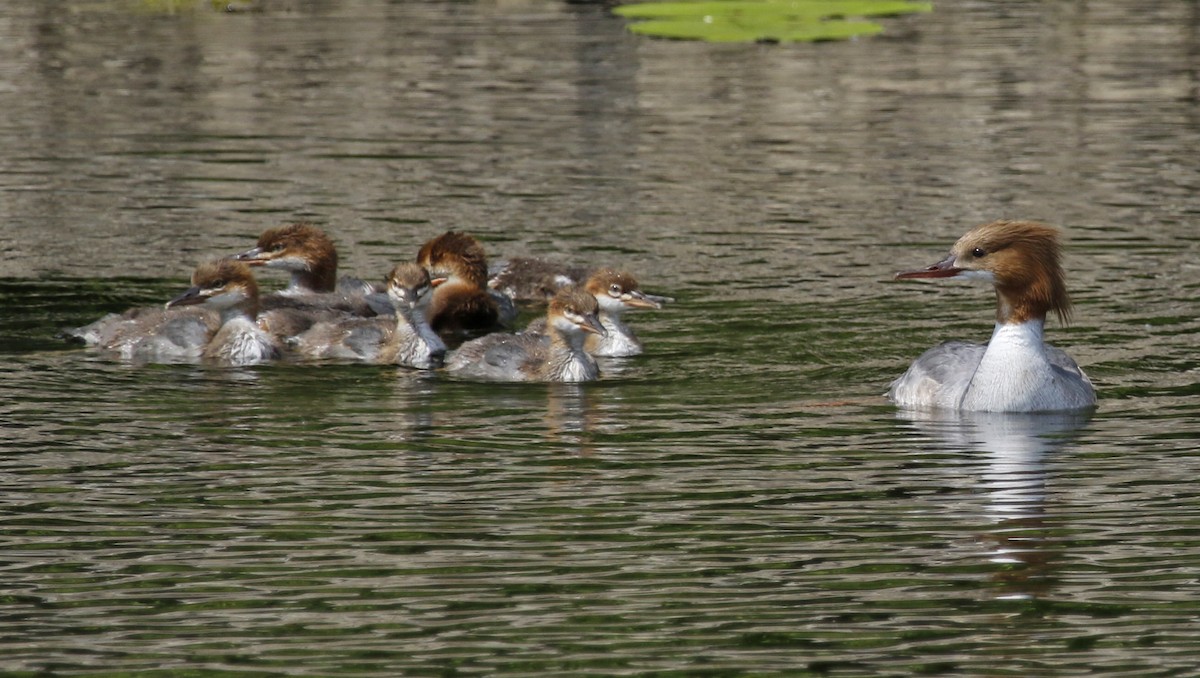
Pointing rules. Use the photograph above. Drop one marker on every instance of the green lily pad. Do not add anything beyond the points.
(763, 20)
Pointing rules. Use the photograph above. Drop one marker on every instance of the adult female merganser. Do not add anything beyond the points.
(616, 292)
(405, 339)
(229, 287)
(461, 302)
(558, 356)
(1016, 371)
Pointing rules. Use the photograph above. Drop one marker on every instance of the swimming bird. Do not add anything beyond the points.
(314, 292)
(1016, 371)
(405, 339)
(533, 280)
(616, 292)
(462, 303)
(558, 355)
(229, 287)
(301, 249)
(151, 334)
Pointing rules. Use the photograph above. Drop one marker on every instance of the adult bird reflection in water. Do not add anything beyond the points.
(1006, 453)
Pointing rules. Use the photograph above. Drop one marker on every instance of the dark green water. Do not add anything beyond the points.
(738, 501)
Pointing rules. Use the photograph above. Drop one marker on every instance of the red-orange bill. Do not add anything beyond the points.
(942, 269)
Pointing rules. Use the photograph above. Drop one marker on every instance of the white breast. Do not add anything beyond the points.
(1015, 372)
(619, 342)
(241, 342)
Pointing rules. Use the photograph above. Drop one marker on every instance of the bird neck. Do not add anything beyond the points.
(319, 276)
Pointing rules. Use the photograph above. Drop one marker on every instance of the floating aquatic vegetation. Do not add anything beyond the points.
(763, 20)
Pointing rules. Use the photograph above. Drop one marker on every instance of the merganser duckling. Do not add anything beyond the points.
(310, 256)
(314, 292)
(461, 302)
(306, 252)
(407, 339)
(229, 287)
(616, 292)
(1015, 371)
(152, 334)
(532, 280)
(558, 356)
(303, 250)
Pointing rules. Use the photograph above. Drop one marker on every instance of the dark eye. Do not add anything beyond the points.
(978, 252)
(615, 290)
(277, 247)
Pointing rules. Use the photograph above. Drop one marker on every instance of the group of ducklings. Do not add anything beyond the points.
(447, 296)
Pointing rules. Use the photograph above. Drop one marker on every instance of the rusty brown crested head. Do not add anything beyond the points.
(301, 248)
(1022, 259)
(455, 254)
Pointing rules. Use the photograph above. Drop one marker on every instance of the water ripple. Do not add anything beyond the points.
(741, 499)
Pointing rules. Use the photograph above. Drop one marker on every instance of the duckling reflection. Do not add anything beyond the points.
(571, 416)
(460, 416)
(410, 397)
(1014, 477)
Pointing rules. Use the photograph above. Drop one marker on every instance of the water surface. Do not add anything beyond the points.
(741, 499)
